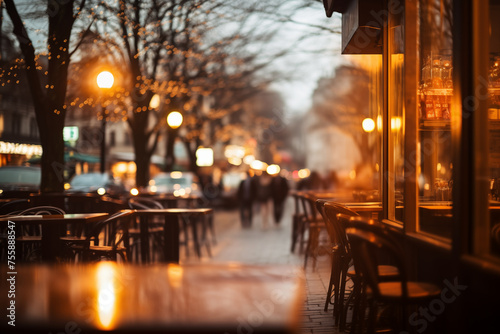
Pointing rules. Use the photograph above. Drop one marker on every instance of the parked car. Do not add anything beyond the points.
(19, 179)
(177, 183)
(102, 184)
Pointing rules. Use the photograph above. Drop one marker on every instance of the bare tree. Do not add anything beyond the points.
(48, 87)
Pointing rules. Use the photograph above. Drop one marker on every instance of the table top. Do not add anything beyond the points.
(71, 217)
(181, 298)
(176, 211)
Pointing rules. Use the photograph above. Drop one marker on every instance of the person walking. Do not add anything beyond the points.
(279, 192)
(263, 196)
(246, 197)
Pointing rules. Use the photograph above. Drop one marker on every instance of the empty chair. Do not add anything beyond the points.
(155, 225)
(108, 239)
(297, 222)
(367, 241)
(341, 256)
(29, 236)
(314, 224)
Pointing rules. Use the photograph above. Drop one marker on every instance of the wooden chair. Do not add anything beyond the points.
(340, 253)
(367, 241)
(314, 224)
(297, 222)
(29, 237)
(108, 239)
(155, 228)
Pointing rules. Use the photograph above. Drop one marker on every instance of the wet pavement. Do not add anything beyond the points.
(271, 245)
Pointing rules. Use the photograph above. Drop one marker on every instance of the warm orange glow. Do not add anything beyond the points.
(106, 294)
(105, 79)
(368, 125)
(155, 101)
(174, 119)
(175, 273)
(273, 169)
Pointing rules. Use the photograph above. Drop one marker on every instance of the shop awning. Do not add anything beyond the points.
(68, 157)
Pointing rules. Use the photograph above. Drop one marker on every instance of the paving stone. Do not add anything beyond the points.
(271, 245)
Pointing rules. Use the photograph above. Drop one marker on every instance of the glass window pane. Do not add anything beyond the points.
(396, 114)
(435, 180)
(494, 127)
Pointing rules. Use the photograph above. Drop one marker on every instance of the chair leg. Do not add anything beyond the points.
(330, 283)
(342, 306)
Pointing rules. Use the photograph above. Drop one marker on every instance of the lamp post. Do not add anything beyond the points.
(104, 81)
(174, 121)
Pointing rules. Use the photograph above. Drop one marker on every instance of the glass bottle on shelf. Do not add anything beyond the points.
(438, 110)
(429, 107)
(436, 73)
(426, 73)
(447, 72)
(445, 106)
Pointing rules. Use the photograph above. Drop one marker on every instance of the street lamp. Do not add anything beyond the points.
(174, 121)
(104, 81)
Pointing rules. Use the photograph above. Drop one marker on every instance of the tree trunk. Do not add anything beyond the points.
(141, 149)
(169, 154)
(50, 109)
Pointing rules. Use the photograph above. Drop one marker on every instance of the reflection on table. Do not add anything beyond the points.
(162, 298)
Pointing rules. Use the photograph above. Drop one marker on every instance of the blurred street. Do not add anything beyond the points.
(271, 245)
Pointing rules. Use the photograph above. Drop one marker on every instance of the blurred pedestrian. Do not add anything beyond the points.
(246, 197)
(279, 192)
(263, 196)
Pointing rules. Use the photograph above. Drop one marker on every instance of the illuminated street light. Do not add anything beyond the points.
(368, 125)
(104, 81)
(174, 119)
(273, 169)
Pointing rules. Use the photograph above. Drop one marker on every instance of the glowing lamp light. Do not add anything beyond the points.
(248, 159)
(234, 161)
(204, 157)
(396, 123)
(258, 165)
(155, 102)
(105, 79)
(368, 124)
(101, 191)
(303, 173)
(273, 169)
(174, 119)
(134, 192)
(176, 175)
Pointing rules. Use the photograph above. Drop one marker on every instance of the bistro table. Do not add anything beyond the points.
(162, 298)
(171, 230)
(52, 225)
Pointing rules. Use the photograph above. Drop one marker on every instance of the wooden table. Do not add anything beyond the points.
(52, 225)
(166, 298)
(171, 230)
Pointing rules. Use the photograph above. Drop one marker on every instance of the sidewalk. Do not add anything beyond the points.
(271, 245)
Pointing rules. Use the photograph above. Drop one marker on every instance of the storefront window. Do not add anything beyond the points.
(396, 111)
(494, 126)
(435, 168)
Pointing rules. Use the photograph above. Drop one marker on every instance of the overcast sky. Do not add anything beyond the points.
(308, 66)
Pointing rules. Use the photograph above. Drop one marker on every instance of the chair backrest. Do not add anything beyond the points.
(367, 239)
(42, 210)
(308, 206)
(141, 203)
(112, 231)
(334, 227)
(14, 206)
